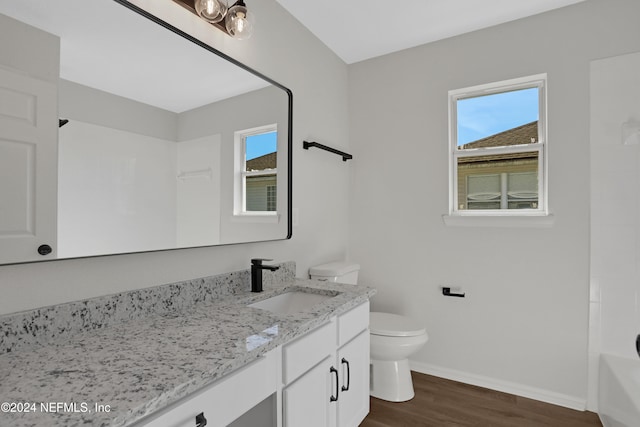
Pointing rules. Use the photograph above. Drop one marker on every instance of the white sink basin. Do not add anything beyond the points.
(290, 302)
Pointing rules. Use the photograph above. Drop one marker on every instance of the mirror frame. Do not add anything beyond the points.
(289, 181)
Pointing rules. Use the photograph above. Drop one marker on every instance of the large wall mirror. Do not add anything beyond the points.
(120, 134)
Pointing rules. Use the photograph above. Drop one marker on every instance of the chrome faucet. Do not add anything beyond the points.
(256, 273)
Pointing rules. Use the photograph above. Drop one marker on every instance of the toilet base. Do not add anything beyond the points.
(391, 380)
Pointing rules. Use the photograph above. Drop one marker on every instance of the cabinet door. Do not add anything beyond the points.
(353, 359)
(307, 401)
(28, 167)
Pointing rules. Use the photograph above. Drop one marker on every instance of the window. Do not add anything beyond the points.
(497, 148)
(256, 171)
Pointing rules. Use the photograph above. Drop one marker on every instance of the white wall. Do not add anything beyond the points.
(116, 191)
(615, 210)
(89, 105)
(285, 51)
(198, 197)
(523, 326)
(116, 171)
(40, 53)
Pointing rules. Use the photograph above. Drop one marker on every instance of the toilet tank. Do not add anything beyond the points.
(339, 271)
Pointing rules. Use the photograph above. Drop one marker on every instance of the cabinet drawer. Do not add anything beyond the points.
(226, 399)
(302, 354)
(352, 323)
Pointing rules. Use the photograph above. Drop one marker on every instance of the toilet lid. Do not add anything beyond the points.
(393, 325)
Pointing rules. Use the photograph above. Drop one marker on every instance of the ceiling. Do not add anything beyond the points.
(361, 29)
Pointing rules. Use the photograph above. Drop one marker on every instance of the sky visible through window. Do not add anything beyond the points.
(261, 144)
(488, 115)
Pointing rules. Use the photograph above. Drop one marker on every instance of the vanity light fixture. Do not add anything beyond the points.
(235, 20)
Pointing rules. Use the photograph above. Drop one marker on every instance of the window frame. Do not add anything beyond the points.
(541, 147)
(241, 173)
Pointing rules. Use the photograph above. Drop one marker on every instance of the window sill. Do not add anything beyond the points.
(503, 221)
(264, 218)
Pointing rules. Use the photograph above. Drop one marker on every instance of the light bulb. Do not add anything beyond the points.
(212, 7)
(211, 10)
(239, 22)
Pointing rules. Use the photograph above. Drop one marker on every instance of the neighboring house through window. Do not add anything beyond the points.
(497, 148)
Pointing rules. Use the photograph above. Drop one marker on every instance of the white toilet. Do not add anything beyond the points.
(393, 339)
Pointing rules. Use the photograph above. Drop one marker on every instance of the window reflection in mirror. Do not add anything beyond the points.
(261, 172)
(257, 171)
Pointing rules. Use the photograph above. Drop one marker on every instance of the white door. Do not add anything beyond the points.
(28, 167)
(353, 359)
(308, 400)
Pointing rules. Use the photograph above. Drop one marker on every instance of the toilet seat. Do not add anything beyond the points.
(393, 325)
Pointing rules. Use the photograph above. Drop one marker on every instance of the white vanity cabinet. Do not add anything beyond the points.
(319, 380)
(326, 374)
(225, 400)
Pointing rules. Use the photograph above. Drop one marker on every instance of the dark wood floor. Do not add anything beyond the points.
(443, 403)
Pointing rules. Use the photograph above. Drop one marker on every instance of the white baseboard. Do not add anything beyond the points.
(542, 395)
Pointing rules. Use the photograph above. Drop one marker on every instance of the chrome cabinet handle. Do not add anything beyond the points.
(334, 371)
(346, 362)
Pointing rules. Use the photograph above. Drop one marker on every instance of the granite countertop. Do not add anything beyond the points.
(135, 368)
